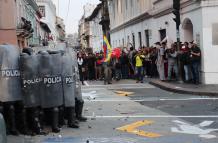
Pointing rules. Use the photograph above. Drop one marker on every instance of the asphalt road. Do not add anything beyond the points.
(146, 115)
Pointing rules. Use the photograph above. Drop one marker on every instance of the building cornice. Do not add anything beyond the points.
(133, 21)
(153, 14)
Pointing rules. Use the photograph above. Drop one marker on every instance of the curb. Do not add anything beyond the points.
(169, 87)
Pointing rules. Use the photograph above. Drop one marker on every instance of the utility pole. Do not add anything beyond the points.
(105, 19)
(176, 12)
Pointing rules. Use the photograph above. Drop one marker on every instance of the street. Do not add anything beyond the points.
(126, 112)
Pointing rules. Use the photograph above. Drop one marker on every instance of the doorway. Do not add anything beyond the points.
(187, 27)
(162, 34)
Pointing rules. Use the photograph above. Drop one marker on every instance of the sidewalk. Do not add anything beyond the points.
(184, 88)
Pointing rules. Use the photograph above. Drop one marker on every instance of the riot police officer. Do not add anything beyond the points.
(51, 92)
(69, 87)
(10, 85)
(29, 66)
(78, 93)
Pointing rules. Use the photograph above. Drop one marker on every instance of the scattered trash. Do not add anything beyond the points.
(93, 116)
(90, 95)
(89, 127)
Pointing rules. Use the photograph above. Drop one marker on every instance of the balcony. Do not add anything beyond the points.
(33, 4)
(24, 29)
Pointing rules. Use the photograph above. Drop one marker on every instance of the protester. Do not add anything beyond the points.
(131, 56)
(81, 66)
(139, 57)
(124, 65)
(160, 61)
(172, 62)
(91, 66)
(195, 63)
(108, 72)
(185, 62)
(117, 67)
(147, 62)
(98, 72)
(153, 58)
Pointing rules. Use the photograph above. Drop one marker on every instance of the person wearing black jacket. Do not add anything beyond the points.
(195, 62)
(124, 65)
(185, 62)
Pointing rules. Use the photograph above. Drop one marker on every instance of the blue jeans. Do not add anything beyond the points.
(195, 67)
(171, 67)
(125, 71)
(139, 73)
(187, 72)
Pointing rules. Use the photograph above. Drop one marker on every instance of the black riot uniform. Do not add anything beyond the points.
(51, 91)
(10, 85)
(31, 80)
(78, 93)
(69, 87)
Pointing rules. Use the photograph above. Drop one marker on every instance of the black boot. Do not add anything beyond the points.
(36, 125)
(61, 117)
(23, 127)
(41, 118)
(78, 110)
(55, 120)
(71, 118)
(12, 130)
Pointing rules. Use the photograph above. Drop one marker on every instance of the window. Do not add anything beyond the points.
(133, 40)
(42, 10)
(140, 39)
(162, 34)
(215, 33)
(123, 42)
(147, 38)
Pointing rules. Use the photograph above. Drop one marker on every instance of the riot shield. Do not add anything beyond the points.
(68, 81)
(10, 82)
(51, 91)
(78, 92)
(30, 79)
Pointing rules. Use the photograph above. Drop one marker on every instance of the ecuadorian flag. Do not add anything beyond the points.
(107, 50)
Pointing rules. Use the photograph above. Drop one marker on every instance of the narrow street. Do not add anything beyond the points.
(146, 115)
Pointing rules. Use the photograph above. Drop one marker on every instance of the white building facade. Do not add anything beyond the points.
(48, 11)
(84, 27)
(96, 33)
(144, 22)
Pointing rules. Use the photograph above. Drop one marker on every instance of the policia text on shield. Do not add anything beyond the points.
(39, 89)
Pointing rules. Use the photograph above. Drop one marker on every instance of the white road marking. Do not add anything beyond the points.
(124, 85)
(154, 116)
(132, 87)
(200, 130)
(86, 83)
(87, 88)
(144, 100)
(186, 99)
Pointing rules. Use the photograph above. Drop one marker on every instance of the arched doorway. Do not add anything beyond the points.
(187, 26)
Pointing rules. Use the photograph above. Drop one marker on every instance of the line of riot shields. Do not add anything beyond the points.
(39, 90)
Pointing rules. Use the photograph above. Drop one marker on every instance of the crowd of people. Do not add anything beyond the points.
(166, 62)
